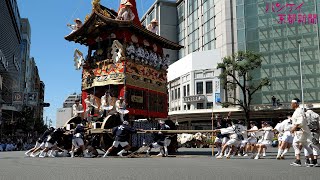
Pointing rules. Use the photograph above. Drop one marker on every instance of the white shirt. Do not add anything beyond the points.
(234, 130)
(77, 110)
(125, 14)
(253, 134)
(267, 134)
(153, 29)
(311, 116)
(90, 103)
(120, 105)
(298, 118)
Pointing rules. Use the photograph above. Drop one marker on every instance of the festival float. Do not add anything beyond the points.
(127, 60)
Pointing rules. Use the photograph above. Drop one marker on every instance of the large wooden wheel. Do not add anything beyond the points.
(111, 121)
(75, 120)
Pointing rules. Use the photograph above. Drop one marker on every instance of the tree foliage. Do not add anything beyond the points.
(237, 72)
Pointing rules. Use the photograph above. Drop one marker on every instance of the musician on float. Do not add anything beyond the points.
(105, 106)
(121, 108)
(77, 111)
(91, 104)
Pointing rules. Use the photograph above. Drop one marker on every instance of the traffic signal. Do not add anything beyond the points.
(45, 104)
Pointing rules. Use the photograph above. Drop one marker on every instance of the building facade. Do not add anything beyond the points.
(25, 52)
(261, 29)
(10, 61)
(70, 101)
(206, 25)
(165, 11)
(194, 89)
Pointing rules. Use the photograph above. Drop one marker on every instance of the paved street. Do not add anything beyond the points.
(13, 165)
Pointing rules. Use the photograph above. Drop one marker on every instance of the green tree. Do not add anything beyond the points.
(236, 72)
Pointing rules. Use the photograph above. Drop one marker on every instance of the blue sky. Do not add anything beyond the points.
(53, 54)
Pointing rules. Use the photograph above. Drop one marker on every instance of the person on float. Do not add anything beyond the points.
(77, 111)
(91, 105)
(121, 108)
(153, 26)
(76, 26)
(126, 13)
(105, 106)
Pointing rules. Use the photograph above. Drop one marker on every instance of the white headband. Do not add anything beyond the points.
(295, 101)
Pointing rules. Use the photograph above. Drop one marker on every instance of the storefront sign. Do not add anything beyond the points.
(291, 13)
(137, 99)
(15, 62)
(194, 98)
(1, 81)
(4, 61)
(17, 98)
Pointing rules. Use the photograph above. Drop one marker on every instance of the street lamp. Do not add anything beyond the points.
(301, 79)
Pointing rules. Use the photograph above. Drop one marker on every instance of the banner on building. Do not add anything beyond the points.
(1, 80)
(217, 98)
(17, 97)
(32, 98)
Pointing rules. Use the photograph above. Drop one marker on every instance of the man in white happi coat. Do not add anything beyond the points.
(235, 132)
(286, 139)
(313, 122)
(301, 133)
(267, 134)
(252, 138)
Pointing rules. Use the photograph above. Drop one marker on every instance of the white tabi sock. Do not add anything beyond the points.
(219, 150)
(279, 152)
(285, 152)
(122, 151)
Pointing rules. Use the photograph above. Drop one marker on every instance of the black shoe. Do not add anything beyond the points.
(315, 163)
(296, 163)
(307, 161)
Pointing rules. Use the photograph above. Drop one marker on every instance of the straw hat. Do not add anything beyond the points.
(128, 4)
(78, 19)
(154, 21)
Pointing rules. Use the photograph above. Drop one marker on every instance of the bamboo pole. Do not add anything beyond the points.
(156, 131)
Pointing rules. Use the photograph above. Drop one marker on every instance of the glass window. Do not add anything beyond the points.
(181, 12)
(209, 105)
(172, 95)
(175, 93)
(209, 87)
(200, 106)
(178, 93)
(199, 87)
(188, 90)
(184, 91)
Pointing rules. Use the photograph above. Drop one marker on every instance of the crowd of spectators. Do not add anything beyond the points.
(16, 144)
